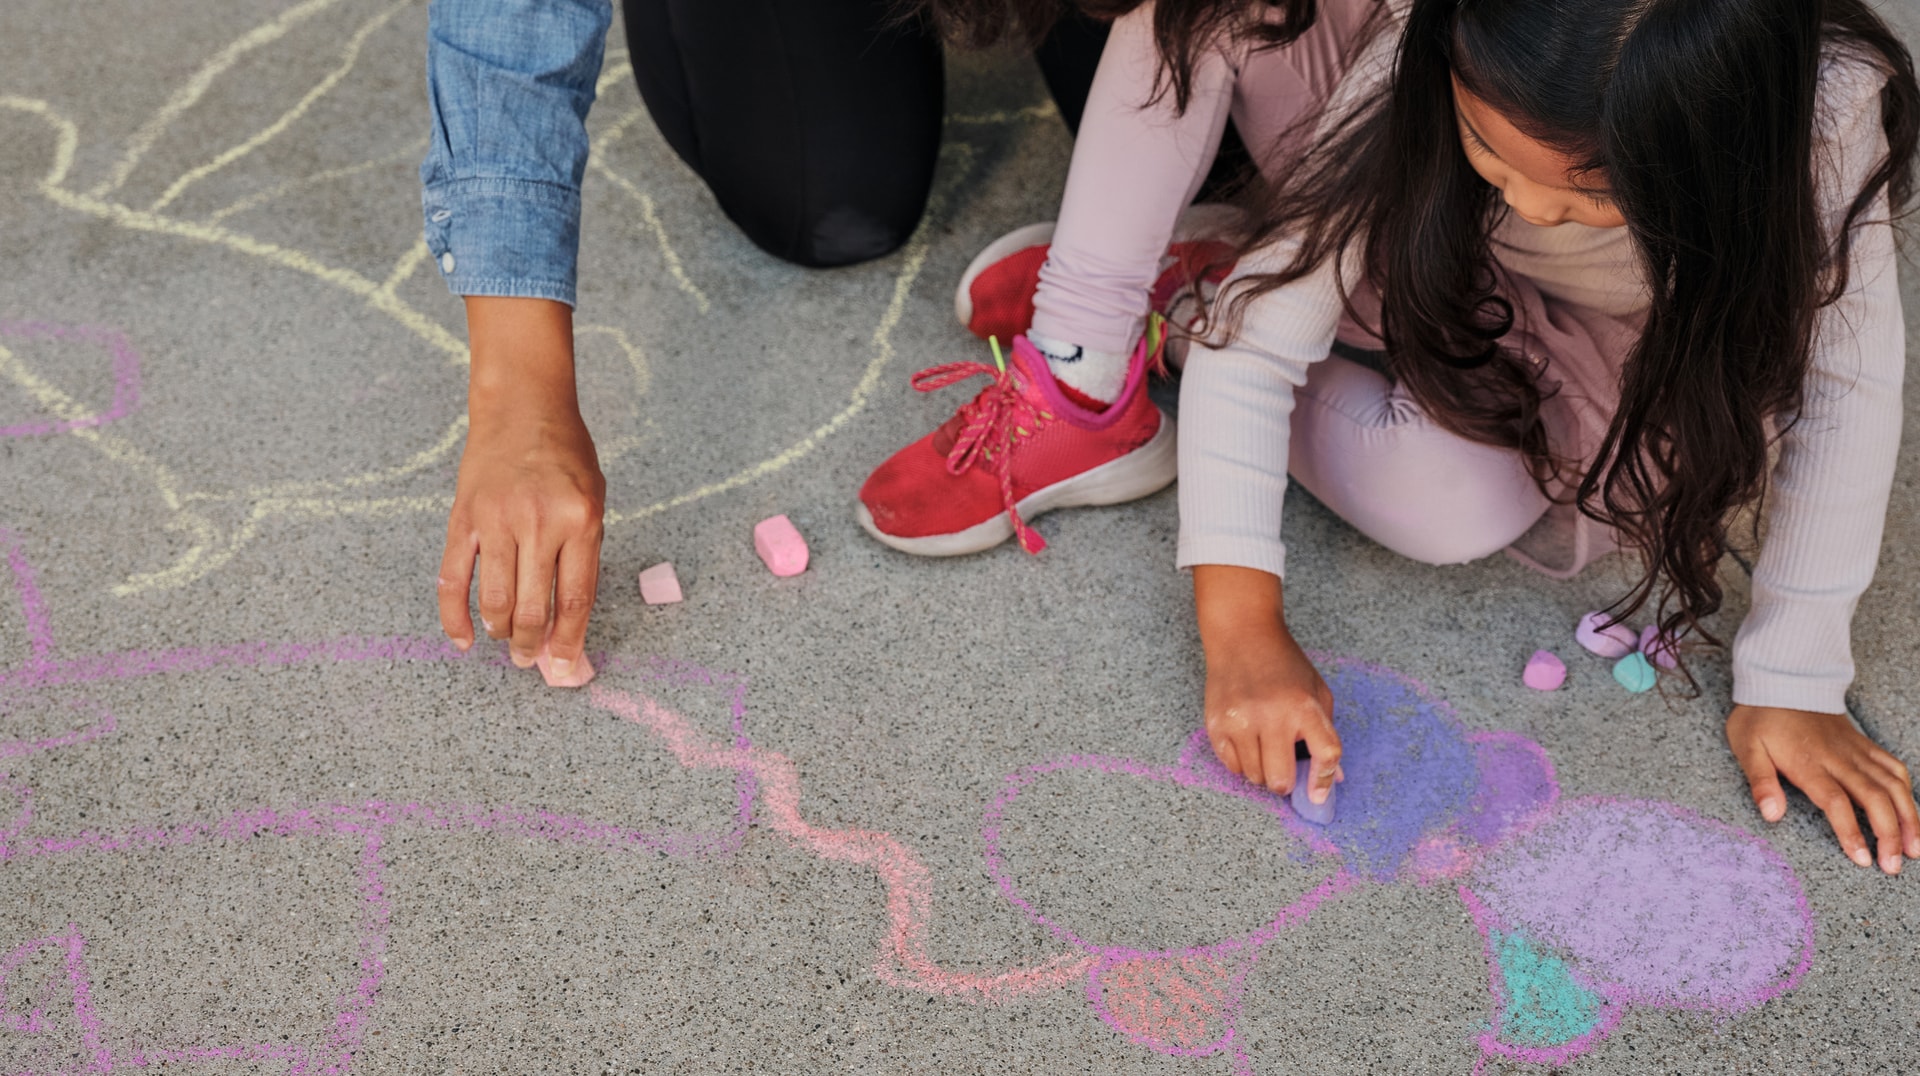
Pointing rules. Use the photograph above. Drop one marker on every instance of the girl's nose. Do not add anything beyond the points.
(1531, 205)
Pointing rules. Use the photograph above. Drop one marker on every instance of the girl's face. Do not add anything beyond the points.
(1538, 182)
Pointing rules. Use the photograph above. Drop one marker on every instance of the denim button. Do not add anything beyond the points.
(441, 215)
(446, 262)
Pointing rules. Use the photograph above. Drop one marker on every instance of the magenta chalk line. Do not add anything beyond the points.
(126, 373)
(903, 961)
(1237, 953)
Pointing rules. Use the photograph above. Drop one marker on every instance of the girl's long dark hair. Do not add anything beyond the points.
(1183, 29)
(1700, 116)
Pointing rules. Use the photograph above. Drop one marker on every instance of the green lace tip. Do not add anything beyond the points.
(999, 360)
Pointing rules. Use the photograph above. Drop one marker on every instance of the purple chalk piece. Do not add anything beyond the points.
(1318, 813)
(1658, 648)
(1605, 639)
(1544, 671)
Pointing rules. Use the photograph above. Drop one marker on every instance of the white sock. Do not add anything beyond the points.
(1099, 374)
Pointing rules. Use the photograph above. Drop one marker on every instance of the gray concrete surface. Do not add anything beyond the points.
(260, 822)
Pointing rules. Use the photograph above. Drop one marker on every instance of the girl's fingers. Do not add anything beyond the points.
(1247, 746)
(1323, 746)
(452, 589)
(1899, 784)
(532, 604)
(574, 587)
(1762, 778)
(1834, 802)
(497, 571)
(1223, 750)
(1869, 790)
(1276, 757)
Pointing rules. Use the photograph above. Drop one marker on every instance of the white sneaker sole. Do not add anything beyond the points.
(1196, 222)
(1147, 469)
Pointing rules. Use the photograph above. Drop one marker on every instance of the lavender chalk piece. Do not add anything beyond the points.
(1658, 648)
(659, 585)
(1634, 673)
(1317, 813)
(1544, 672)
(1604, 639)
(779, 543)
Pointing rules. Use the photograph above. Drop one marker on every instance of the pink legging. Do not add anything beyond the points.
(1366, 450)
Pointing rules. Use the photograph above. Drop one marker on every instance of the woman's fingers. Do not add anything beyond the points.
(498, 572)
(452, 590)
(533, 601)
(575, 584)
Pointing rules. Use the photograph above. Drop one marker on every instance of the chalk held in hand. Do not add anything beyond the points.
(1317, 813)
(779, 543)
(576, 674)
(1544, 672)
(1604, 639)
(659, 585)
(1634, 673)
(1658, 648)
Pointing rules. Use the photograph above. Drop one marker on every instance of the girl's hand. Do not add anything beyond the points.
(1838, 768)
(530, 496)
(1263, 695)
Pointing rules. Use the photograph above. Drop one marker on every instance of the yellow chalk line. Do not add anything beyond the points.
(913, 259)
(615, 448)
(196, 87)
(331, 174)
(403, 270)
(1041, 111)
(596, 161)
(208, 552)
(349, 56)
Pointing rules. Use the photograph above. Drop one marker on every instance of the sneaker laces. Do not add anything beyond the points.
(989, 425)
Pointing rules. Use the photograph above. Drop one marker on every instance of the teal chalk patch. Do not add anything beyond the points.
(1544, 1005)
(1635, 673)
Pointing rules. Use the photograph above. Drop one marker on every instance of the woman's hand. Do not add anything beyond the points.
(1838, 768)
(530, 497)
(1263, 695)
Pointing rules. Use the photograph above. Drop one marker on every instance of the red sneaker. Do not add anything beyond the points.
(1018, 449)
(995, 296)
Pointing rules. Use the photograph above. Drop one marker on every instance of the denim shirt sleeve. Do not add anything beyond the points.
(509, 83)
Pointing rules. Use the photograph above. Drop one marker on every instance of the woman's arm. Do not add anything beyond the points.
(509, 86)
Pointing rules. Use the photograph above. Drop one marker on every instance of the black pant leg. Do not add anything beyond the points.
(1069, 55)
(816, 123)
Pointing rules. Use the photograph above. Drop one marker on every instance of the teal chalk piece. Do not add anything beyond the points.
(1635, 673)
(1544, 1006)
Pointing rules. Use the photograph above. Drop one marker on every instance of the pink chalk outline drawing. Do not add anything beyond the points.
(126, 373)
(1585, 907)
(760, 774)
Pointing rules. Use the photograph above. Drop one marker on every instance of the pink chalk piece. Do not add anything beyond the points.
(1544, 672)
(1604, 639)
(779, 543)
(1658, 648)
(578, 676)
(659, 585)
(1317, 813)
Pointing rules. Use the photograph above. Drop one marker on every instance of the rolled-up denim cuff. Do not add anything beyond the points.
(500, 236)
